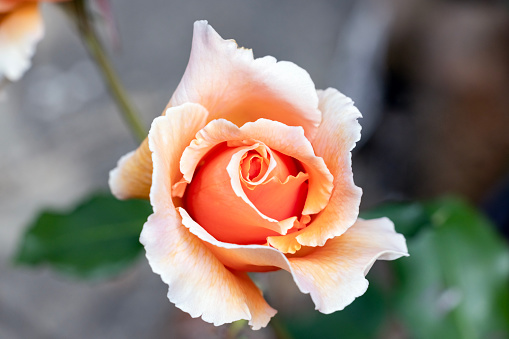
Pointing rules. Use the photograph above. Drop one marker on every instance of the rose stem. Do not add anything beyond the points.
(78, 12)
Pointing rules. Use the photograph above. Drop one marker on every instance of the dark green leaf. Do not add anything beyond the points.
(455, 284)
(99, 238)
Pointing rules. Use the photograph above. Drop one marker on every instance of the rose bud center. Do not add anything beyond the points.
(253, 166)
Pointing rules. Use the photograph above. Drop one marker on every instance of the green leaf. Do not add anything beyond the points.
(362, 319)
(455, 284)
(99, 238)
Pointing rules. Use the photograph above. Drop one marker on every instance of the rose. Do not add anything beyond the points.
(21, 28)
(248, 170)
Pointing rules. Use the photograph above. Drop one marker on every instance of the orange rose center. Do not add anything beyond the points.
(274, 184)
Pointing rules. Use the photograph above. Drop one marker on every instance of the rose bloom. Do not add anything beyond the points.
(21, 28)
(249, 170)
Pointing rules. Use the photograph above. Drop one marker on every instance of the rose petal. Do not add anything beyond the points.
(279, 200)
(20, 31)
(287, 243)
(133, 175)
(231, 84)
(250, 258)
(253, 168)
(337, 136)
(198, 283)
(213, 134)
(234, 172)
(333, 274)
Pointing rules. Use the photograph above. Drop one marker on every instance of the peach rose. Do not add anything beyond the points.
(248, 170)
(21, 29)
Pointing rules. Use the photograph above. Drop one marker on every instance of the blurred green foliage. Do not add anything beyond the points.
(456, 282)
(99, 238)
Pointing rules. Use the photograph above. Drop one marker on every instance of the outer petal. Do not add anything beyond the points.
(20, 31)
(334, 274)
(133, 175)
(336, 137)
(231, 84)
(198, 282)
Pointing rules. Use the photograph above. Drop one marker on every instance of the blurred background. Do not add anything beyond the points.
(431, 78)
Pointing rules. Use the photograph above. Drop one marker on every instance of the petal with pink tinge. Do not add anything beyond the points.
(232, 85)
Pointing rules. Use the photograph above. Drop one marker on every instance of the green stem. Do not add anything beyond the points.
(92, 43)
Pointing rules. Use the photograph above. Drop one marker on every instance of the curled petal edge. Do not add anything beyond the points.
(336, 138)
